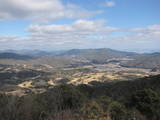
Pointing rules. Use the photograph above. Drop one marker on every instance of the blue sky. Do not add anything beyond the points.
(67, 24)
(126, 13)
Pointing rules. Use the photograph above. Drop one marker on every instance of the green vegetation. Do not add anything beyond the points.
(127, 100)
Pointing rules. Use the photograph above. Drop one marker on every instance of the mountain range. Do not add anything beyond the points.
(91, 56)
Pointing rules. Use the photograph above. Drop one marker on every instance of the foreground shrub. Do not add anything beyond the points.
(148, 102)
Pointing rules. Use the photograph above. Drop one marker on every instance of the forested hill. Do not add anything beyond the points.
(125, 100)
(14, 56)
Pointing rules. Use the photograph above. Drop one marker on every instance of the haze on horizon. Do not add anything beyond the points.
(70, 24)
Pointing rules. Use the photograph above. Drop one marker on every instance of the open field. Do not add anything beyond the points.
(25, 78)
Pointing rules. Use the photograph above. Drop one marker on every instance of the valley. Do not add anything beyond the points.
(21, 77)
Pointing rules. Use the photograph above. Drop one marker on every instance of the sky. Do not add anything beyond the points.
(129, 25)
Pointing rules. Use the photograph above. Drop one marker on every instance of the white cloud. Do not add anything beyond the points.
(11, 42)
(150, 29)
(79, 27)
(139, 39)
(41, 10)
(84, 34)
(69, 35)
(109, 4)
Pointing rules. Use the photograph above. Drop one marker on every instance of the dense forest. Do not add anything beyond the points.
(125, 100)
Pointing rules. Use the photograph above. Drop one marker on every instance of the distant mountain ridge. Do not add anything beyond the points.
(15, 56)
(147, 61)
(100, 50)
(37, 53)
(96, 55)
(83, 56)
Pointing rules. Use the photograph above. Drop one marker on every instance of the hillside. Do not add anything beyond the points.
(96, 55)
(124, 89)
(148, 61)
(124, 100)
(15, 56)
(77, 57)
